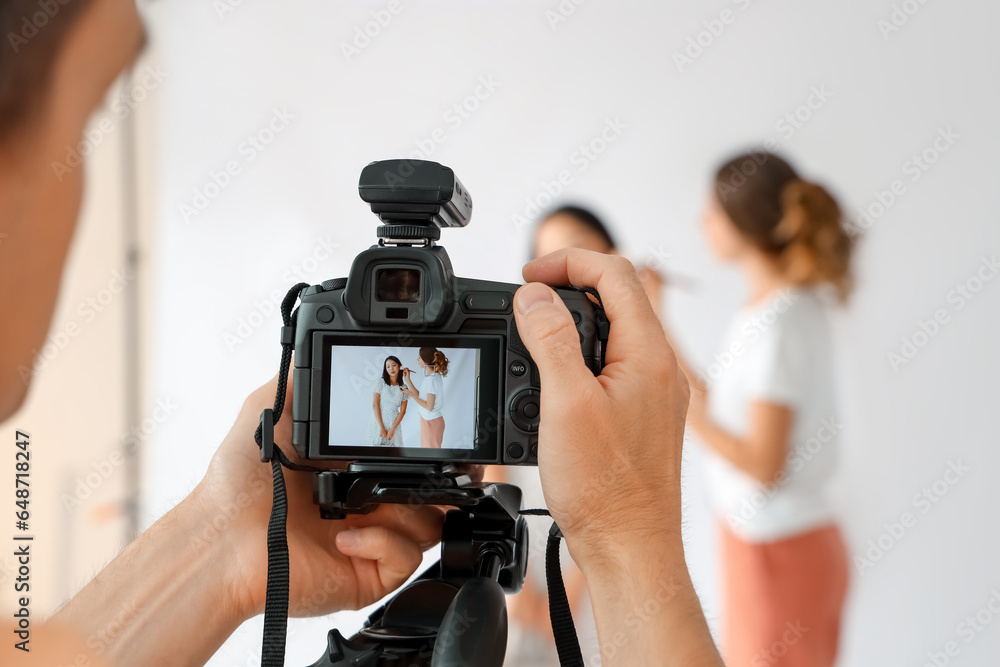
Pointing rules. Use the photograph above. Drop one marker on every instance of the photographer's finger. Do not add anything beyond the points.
(549, 332)
(616, 280)
(397, 555)
(422, 524)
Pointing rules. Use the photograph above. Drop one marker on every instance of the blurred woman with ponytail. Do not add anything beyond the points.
(767, 415)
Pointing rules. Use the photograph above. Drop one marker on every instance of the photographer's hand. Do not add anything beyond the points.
(176, 593)
(610, 460)
(374, 553)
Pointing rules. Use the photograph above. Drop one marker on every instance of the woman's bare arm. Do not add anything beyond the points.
(762, 452)
(377, 407)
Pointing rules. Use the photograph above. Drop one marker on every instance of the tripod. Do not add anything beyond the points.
(455, 612)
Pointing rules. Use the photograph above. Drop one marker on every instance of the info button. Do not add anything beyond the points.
(487, 302)
(517, 368)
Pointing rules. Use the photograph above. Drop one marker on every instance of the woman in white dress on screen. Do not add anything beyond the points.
(430, 396)
(388, 407)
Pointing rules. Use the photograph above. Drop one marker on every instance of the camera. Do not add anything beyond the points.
(405, 362)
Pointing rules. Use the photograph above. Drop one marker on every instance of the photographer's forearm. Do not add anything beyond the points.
(164, 600)
(647, 611)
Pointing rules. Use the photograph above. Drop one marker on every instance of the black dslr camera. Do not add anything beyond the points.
(402, 370)
(404, 331)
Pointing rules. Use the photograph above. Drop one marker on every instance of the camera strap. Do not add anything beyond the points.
(276, 601)
(560, 615)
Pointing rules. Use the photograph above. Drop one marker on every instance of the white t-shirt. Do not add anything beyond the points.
(778, 352)
(433, 384)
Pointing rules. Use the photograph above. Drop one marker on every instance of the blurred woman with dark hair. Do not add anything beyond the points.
(768, 416)
(573, 226)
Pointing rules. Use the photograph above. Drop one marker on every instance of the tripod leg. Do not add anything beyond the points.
(353, 653)
(474, 629)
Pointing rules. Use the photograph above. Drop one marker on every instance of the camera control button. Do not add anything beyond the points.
(517, 368)
(487, 302)
(577, 317)
(534, 450)
(515, 450)
(524, 411)
(325, 314)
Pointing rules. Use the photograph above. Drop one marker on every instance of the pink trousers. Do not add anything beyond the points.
(431, 432)
(783, 599)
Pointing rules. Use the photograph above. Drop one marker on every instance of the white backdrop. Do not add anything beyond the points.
(270, 111)
(353, 375)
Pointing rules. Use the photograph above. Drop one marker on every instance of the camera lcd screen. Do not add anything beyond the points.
(397, 285)
(434, 398)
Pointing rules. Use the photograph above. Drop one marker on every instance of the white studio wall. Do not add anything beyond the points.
(270, 111)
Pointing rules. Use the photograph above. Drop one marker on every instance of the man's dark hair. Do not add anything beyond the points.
(33, 33)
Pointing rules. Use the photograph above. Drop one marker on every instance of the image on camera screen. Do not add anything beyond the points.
(403, 397)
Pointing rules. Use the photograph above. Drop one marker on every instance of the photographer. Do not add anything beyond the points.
(610, 452)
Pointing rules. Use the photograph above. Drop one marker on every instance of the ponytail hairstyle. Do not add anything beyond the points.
(435, 358)
(796, 221)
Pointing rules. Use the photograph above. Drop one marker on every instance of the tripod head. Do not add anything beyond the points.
(455, 612)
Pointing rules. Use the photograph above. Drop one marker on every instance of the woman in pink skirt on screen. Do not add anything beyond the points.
(430, 396)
